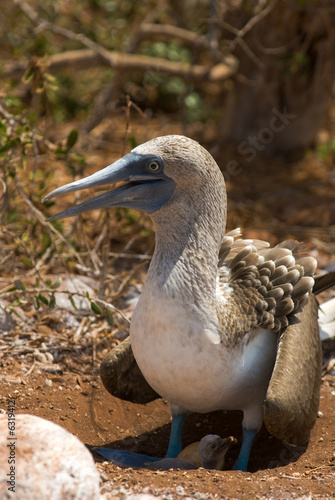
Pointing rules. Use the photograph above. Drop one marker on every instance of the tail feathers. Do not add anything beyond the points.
(323, 282)
(327, 320)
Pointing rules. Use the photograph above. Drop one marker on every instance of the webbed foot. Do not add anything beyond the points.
(125, 458)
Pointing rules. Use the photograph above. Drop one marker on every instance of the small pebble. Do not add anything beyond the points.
(49, 356)
(41, 357)
(106, 488)
(180, 490)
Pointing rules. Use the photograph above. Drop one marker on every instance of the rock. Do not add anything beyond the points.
(79, 286)
(49, 462)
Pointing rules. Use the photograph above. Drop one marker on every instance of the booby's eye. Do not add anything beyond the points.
(154, 166)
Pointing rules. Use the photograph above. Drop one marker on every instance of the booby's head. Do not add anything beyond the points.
(155, 173)
(212, 451)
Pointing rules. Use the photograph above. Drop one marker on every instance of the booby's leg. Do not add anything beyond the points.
(243, 458)
(131, 459)
(177, 425)
(252, 421)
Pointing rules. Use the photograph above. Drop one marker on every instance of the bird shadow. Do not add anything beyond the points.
(267, 452)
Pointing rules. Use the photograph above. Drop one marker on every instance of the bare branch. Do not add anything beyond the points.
(239, 34)
(255, 19)
(189, 38)
(87, 58)
(96, 55)
(166, 31)
(79, 37)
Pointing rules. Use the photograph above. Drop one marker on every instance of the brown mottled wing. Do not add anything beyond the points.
(292, 399)
(122, 377)
(261, 286)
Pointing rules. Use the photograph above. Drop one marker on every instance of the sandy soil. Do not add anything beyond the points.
(76, 400)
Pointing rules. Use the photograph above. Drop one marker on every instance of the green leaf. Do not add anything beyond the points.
(60, 151)
(27, 262)
(28, 75)
(52, 301)
(72, 138)
(5, 147)
(56, 284)
(49, 78)
(95, 308)
(19, 302)
(37, 303)
(44, 300)
(110, 317)
(48, 283)
(19, 285)
(14, 311)
(73, 302)
(132, 141)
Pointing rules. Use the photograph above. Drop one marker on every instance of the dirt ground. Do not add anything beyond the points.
(76, 400)
(50, 364)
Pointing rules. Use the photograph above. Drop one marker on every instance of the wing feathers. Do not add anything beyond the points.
(266, 285)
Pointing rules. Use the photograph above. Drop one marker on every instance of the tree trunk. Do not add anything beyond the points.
(285, 96)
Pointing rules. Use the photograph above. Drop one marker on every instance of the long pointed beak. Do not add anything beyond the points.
(109, 175)
(143, 191)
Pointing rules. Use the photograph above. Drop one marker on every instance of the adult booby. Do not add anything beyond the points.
(208, 334)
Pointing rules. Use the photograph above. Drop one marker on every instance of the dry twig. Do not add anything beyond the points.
(87, 58)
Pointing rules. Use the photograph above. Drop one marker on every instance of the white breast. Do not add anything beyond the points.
(179, 358)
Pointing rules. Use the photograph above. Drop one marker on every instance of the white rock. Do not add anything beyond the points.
(50, 463)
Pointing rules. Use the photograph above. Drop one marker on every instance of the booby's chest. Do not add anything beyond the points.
(179, 354)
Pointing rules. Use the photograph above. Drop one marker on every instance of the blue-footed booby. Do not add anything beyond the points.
(222, 322)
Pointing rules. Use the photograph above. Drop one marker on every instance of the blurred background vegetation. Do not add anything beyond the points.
(84, 81)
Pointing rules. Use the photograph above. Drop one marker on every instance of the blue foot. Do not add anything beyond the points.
(130, 459)
(243, 458)
(125, 458)
(177, 425)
